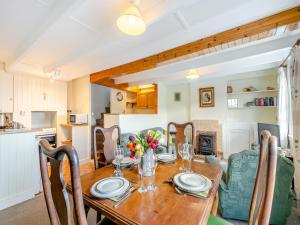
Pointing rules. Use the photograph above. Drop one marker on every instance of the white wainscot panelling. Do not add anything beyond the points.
(19, 168)
(38, 94)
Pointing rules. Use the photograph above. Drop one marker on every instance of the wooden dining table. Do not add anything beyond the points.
(160, 207)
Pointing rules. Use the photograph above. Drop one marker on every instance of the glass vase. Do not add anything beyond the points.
(147, 166)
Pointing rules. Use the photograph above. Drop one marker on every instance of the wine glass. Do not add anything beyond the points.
(182, 153)
(190, 155)
(151, 166)
(118, 158)
(142, 188)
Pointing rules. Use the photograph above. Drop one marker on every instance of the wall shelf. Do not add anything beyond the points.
(253, 107)
(252, 92)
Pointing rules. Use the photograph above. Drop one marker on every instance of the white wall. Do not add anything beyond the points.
(115, 105)
(178, 111)
(100, 98)
(258, 79)
(79, 95)
(188, 108)
(79, 101)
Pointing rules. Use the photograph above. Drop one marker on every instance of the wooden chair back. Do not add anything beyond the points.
(262, 198)
(107, 145)
(179, 136)
(56, 196)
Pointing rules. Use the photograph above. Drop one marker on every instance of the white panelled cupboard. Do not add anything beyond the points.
(6, 92)
(38, 94)
(19, 168)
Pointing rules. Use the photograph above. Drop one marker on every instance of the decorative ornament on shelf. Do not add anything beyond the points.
(131, 21)
(229, 89)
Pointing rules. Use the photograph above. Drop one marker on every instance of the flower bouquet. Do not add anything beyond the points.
(138, 144)
(142, 147)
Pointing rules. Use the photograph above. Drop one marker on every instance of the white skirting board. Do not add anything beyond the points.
(16, 199)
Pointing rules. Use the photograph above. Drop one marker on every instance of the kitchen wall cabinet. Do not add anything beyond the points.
(146, 100)
(152, 100)
(19, 168)
(142, 100)
(6, 92)
(38, 94)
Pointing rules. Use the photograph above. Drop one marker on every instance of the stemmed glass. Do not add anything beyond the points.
(182, 151)
(190, 155)
(142, 188)
(118, 157)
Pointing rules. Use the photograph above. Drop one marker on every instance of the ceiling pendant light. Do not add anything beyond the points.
(131, 21)
(192, 74)
(54, 75)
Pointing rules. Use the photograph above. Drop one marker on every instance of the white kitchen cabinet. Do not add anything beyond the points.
(19, 168)
(6, 92)
(38, 94)
(22, 100)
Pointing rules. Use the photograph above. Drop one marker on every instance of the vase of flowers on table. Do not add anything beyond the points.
(143, 147)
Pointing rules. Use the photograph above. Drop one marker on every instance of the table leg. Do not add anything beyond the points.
(214, 208)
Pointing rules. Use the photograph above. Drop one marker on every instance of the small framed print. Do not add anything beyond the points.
(177, 97)
(207, 97)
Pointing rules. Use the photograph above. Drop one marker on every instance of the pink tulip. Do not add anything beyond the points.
(155, 142)
(153, 146)
(149, 139)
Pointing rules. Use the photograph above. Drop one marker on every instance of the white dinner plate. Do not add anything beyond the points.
(165, 157)
(189, 188)
(192, 179)
(125, 162)
(110, 187)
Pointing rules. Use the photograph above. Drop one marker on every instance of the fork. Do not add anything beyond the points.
(125, 197)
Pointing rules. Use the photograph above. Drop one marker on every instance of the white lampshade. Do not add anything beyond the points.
(131, 21)
(192, 74)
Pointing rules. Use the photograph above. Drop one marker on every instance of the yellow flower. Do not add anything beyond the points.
(138, 146)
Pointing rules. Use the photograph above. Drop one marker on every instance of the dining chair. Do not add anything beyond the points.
(104, 144)
(56, 195)
(261, 203)
(180, 134)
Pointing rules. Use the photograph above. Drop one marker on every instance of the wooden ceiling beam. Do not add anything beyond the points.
(111, 83)
(253, 28)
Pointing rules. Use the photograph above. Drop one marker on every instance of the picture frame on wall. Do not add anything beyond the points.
(207, 97)
(177, 96)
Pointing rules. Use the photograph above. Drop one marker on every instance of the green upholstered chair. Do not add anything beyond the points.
(236, 187)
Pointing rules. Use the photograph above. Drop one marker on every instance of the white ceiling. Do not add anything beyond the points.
(79, 37)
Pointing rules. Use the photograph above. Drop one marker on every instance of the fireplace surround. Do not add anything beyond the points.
(207, 143)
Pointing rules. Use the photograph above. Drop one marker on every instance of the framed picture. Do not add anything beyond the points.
(207, 97)
(177, 96)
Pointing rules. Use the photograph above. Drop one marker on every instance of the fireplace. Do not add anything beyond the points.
(207, 143)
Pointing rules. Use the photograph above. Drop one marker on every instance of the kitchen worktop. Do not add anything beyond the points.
(21, 130)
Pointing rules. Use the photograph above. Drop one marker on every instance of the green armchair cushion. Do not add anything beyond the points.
(236, 191)
(214, 220)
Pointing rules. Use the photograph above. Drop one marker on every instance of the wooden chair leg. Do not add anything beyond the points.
(98, 217)
(86, 209)
(214, 209)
